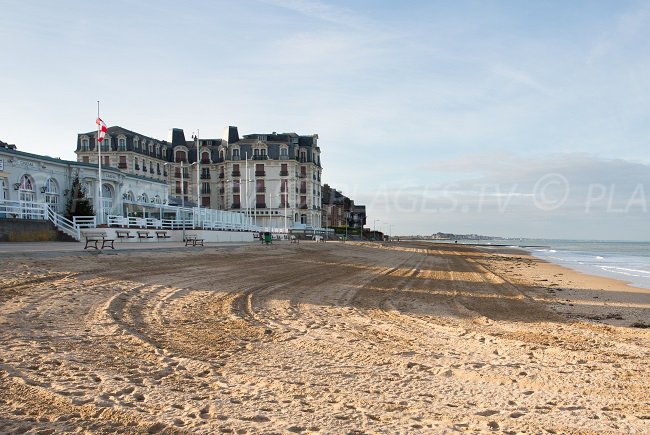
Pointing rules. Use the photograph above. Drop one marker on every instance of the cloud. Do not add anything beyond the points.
(544, 196)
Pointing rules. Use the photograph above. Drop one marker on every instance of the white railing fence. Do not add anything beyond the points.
(173, 218)
(64, 224)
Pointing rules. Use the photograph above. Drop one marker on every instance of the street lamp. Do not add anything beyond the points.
(374, 228)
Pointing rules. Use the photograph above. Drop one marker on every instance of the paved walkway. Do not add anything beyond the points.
(26, 248)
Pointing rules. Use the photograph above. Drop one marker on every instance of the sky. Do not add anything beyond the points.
(504, 118)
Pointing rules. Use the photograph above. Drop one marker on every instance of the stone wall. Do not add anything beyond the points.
(27, 230)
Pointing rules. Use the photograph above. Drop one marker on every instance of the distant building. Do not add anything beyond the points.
(275, 178)
(340, 211)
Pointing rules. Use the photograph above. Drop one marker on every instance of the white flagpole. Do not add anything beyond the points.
(99, 170)
(246, 187)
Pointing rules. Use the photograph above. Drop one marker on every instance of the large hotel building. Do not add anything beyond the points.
(275, 178)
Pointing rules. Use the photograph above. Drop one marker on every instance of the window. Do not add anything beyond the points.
(135, 163)
(205, 157)
(259, 170)
(259, 201)
(85, 159)
(151, 167)
(84, 144)
(105, 144)
(284, 152)
(107, 161)
(122, 163)
(235, 186)
(26, 189)
(259, 186)
(235, 170)
(5, 188)
(122, 143)
(235, 153)
(164, 153)
(52, 197)
(181, 156)
(283, 170)
(136, 143)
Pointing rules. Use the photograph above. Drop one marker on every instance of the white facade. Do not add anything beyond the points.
(30, 177)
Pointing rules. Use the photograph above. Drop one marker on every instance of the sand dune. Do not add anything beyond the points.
(330, 338)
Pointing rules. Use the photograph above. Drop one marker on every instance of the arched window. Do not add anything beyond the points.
(26, 189)
(144, 198)
(181, 156)
(107, 199)
(235, 153)
(85, 144)
(52, 197)
(205, 157)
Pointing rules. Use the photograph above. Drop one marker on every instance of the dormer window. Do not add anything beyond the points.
(181, 156)
(122, 143)
(85, 144)
(235, 153)
(136, 143)
(164, 153)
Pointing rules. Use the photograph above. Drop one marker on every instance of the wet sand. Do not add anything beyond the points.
(329, 338)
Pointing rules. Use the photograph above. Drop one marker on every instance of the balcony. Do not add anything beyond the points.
(260, 205)
(205, 161)
(260, 173)
(284, 173)
(236, 173)
(205, 176)
(302, 175)
(222, 175)
(236, 206)
(260, 157)
(137, 167)
(303, 191)
(222, 190)
(205, 190)
(121, 165)
(303, 206)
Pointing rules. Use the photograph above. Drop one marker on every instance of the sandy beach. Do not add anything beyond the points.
(326, 338)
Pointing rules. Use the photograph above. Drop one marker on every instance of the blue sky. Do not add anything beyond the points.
(439, 116)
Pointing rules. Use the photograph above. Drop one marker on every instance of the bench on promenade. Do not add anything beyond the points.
(93, 238)
(123, 234)
(192, 239)
(144, 235)
(162, 235)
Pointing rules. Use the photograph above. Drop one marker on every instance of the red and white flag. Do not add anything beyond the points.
(101, 128)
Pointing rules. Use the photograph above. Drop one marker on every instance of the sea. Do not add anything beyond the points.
(626, 261)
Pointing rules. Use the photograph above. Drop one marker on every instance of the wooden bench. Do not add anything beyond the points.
(96, 237)
(123, 234)
(162, 235)
(144, 235)
(192, 239)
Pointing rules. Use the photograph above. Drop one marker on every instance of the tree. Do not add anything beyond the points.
(78, 204)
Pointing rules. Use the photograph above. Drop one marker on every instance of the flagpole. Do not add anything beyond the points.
(198, 180)
(99, 167)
